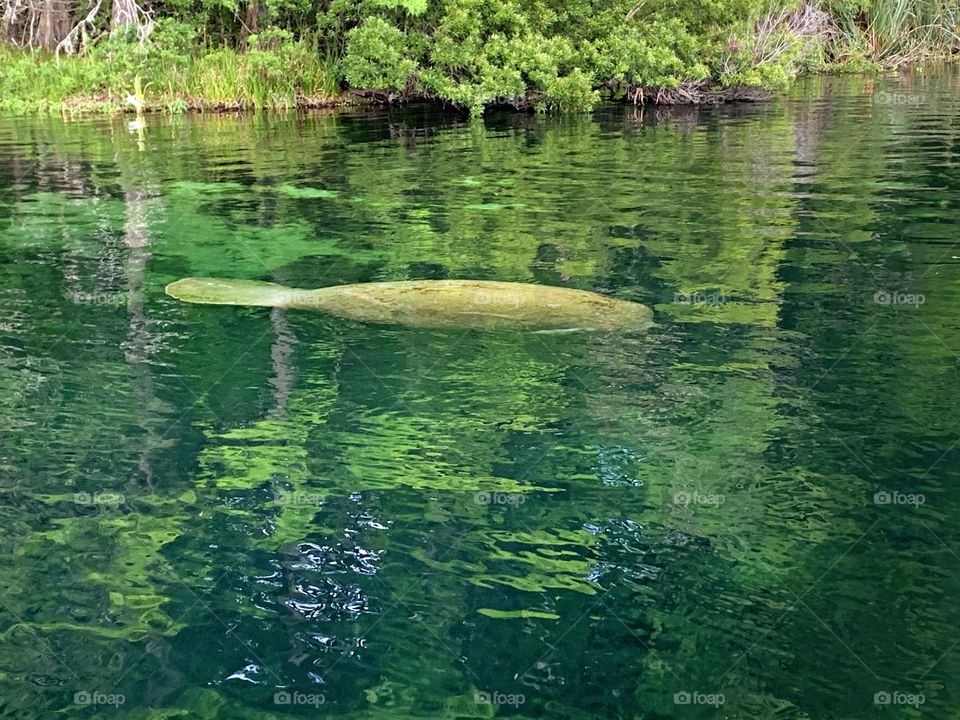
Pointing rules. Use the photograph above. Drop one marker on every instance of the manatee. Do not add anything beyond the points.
(440, 304)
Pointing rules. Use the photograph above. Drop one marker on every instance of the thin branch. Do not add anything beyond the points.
(634, 10)
(67, 44)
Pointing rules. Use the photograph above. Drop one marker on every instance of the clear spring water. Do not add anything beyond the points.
(748, 512)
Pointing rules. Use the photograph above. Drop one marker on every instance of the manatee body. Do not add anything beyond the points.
(438, 304)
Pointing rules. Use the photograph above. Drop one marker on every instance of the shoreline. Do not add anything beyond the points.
(687, 94)
(85, 106)
(460, 54)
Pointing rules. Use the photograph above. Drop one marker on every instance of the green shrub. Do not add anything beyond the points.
(571, 93)
(378, 56)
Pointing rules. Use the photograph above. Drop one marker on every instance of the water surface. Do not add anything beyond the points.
(222, 512)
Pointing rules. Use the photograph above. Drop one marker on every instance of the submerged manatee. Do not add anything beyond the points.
(440, 304)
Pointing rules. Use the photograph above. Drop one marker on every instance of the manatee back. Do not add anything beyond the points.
(476, 304)
(452, 304)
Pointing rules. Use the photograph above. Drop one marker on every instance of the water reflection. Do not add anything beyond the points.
(406, 521)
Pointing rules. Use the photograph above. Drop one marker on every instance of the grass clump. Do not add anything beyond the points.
(890, 33)
(168, 74)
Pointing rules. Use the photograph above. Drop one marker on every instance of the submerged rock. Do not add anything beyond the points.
(439, 304)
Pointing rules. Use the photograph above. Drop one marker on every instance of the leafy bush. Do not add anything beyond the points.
(378, 55)
(571, 92)
(551, 54)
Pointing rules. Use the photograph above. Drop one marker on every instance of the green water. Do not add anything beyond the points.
(203, 507)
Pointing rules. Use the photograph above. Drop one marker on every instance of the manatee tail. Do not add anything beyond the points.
(219, 291)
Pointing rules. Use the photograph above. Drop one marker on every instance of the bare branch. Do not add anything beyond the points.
(634, 10)
(68, 43)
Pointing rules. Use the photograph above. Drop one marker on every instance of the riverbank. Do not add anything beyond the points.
(475, 57)
(150, 80)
